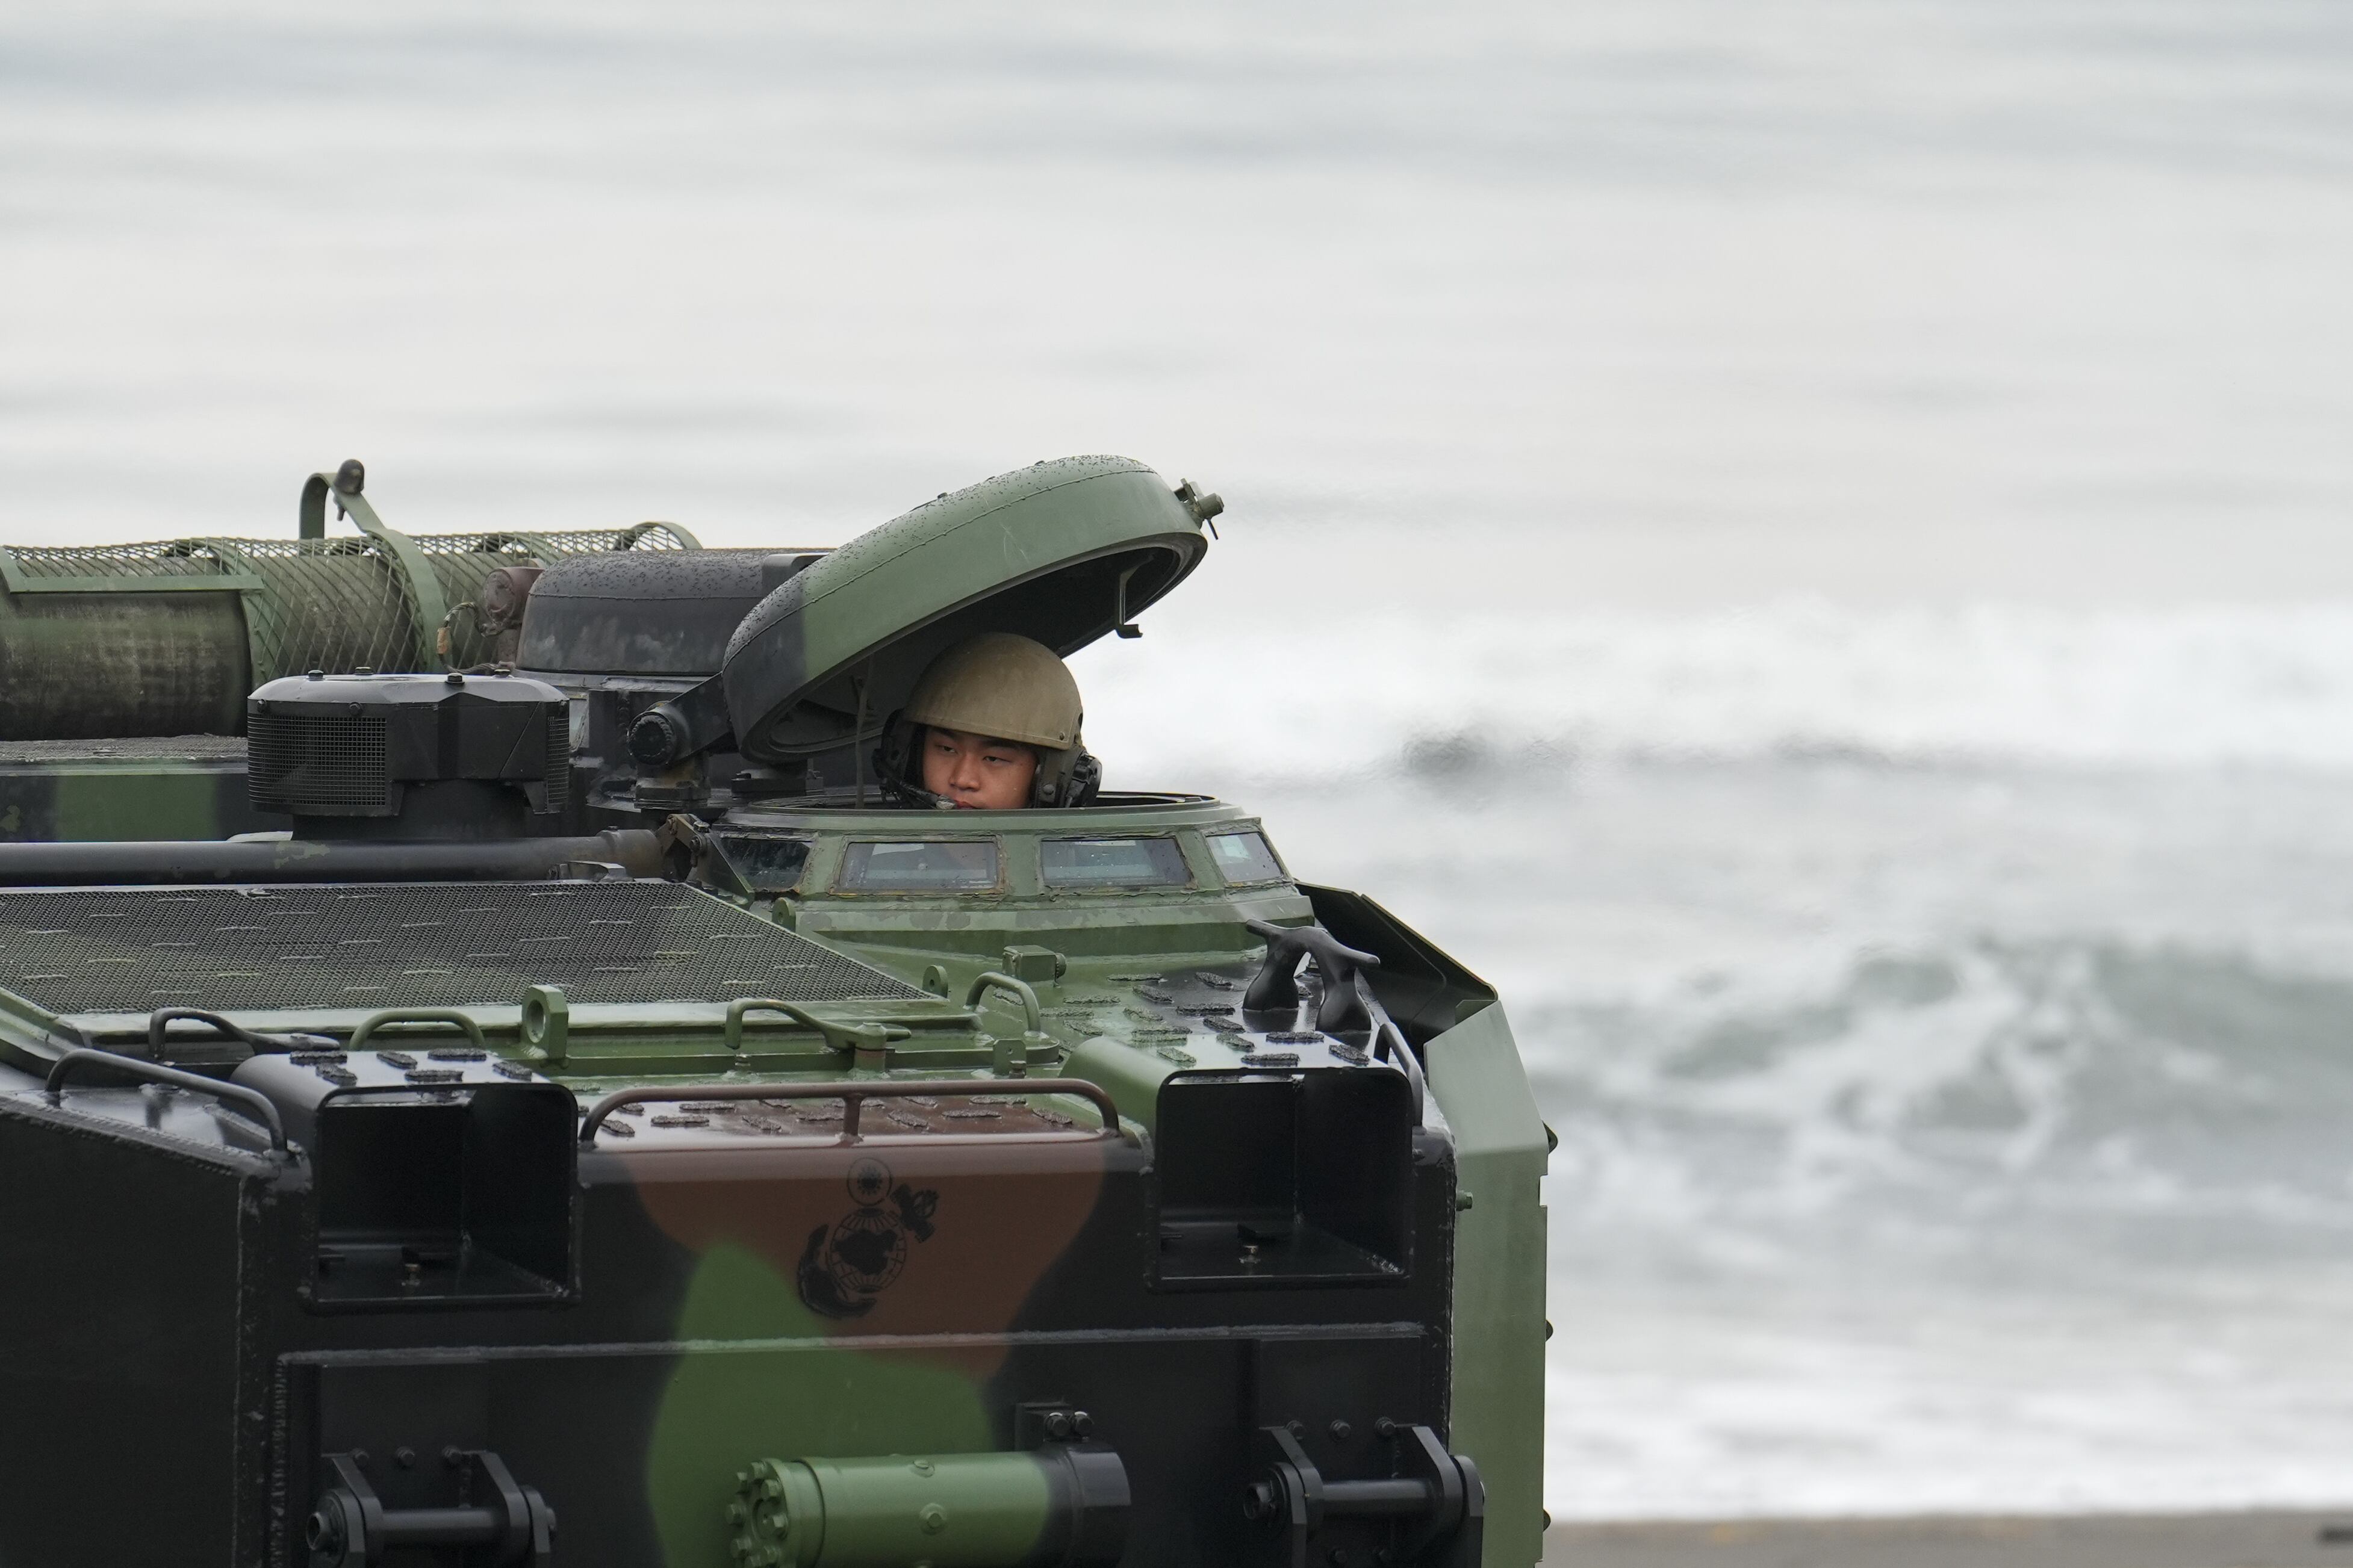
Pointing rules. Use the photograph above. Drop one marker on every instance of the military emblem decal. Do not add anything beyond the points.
(850, 1263)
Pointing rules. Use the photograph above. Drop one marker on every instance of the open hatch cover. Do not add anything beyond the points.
(1062, 551)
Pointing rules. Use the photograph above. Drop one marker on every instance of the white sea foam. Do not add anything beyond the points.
(2009, 1230)
(1979, 683)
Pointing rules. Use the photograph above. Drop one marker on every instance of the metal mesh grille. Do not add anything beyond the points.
(431, 944)
(176, 558)
(559, 759)
(298, 762)
(545, 547)
(335, 604)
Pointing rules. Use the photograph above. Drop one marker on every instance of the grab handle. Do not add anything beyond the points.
(375, 1021)
(839, 1037)
(235, 1093)
(1032, 1019)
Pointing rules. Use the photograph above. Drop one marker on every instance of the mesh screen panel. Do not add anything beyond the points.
(545, 547)
(335, 604)
(300, 762)
(430, 945)
(559, 759)
(181, 558)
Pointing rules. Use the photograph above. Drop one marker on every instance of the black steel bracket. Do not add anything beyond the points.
(1433, 1507)
(1276, 984)
(495, 1523)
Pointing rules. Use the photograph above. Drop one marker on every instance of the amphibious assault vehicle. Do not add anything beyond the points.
(486, 1076)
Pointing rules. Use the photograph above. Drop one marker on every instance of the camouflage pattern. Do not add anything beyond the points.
(878, 1187)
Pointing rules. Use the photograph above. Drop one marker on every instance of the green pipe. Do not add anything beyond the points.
(1063, 1506)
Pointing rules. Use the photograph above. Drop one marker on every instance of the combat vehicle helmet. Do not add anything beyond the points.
(1006, 686)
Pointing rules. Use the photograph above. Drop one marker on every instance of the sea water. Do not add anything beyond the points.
(1805, 540)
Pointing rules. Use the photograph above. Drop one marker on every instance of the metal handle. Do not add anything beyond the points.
(375, 1021)
(237, 1094)
(1033, 1019)
(851, 1095)
(162, 1018)
(159, 1021)
(839, 1037)
(629, 537)
(1402, 1054)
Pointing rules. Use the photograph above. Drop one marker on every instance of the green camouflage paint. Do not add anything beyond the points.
(726, 1305)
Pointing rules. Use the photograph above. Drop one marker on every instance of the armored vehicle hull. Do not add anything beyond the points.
(801, 1182)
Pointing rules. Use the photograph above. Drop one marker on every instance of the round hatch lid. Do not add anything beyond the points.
(1062, 551)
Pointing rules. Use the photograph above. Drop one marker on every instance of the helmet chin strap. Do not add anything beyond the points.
(1064, 778)
(894, 764)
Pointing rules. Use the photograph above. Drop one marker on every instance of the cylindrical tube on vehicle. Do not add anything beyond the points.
(1063, 1506)
(104, 642)
(635, 849)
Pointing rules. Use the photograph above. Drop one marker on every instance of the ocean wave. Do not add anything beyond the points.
(2050, 1082)
(1997, 1225)
(1984, 683)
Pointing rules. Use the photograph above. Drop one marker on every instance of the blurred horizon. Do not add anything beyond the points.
(1885, 301)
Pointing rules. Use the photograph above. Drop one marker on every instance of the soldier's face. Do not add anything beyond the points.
(977, 772)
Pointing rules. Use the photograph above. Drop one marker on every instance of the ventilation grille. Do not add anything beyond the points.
(559, 757)
(313, 762)
(422, 944)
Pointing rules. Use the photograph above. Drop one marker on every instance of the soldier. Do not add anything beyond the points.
(993, 726)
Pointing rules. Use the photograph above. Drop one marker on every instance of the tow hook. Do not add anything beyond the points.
(351, 1527)
(1430, 1511)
